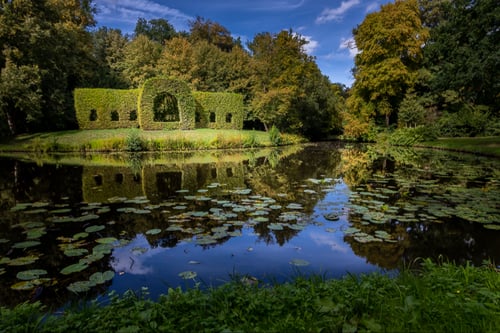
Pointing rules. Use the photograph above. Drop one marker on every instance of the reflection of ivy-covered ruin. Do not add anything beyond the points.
(160, 103)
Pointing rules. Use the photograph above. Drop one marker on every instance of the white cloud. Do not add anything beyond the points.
(311, 45)
(374, 6)
(336, 14)
(128, 11)
(350, 45)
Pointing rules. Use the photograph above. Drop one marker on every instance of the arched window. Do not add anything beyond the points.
(212, 117)
(229, 118)
(165, 108)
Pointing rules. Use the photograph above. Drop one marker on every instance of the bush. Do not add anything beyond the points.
(134, 142)
(275, 135)
(467, 121)
(411, 136)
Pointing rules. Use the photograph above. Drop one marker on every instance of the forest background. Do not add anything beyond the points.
(425, 69)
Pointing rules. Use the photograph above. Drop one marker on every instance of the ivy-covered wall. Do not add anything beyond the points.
(219, 110)
(106, 108)
(156, 110)
(161, 104)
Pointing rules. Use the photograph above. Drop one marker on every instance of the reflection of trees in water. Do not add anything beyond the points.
(404, 172)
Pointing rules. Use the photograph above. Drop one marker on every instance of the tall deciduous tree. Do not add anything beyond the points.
(141, 60)
(158, 30)
(212, 32)
(46, 41)
(463, 52)
(390, 42)
(108, 54)
(288, 89)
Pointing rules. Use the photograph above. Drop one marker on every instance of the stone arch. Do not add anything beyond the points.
(164, 94)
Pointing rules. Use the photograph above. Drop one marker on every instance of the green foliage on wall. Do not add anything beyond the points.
(106, 108)
(161, 104)
(219, 110)
(150, 103)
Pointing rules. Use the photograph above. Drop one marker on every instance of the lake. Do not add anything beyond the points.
(76, 227)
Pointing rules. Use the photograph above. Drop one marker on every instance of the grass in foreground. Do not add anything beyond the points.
(137, 140)
(441, 298)
(480, 145)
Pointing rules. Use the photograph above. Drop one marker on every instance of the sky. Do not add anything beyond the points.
(326, 24)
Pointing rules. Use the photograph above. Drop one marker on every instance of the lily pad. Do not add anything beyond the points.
(275, 226)
(26, 244)
(22, 261)
(74, 268)
(80, 286)
(31, 274)
(331, 217)
(106, 240)
(492, 226)
(75, 252)
(80, 235)
(299, 262)
(153, 231)
(100, 278)
(94, 228)
(187, 275)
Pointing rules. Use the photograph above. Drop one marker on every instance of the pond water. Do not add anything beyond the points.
(73, 227)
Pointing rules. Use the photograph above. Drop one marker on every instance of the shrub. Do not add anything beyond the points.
(134, 142)
(275, 136)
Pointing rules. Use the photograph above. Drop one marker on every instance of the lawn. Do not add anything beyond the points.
(480, 145)
(135, 140)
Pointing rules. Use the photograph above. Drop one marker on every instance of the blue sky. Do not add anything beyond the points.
(326, 24)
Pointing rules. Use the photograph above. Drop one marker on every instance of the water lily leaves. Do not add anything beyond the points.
(153, 231)
(106, 240)
(299, 262)
(80, 235)
(139, 250)
(74, 268)
(331, 217)
(294, 206)
(102, 248)
(29, 285)
(275, 226)
(95, 228)
(187, 275)
(26, 244)
(100, 278)
(35, 233)
(492, 226)
(80, 286)
(20, 207)
(31, 274)
(22, 261)
(75, 252)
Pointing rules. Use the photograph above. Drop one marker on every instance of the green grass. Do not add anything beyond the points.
(134, 140)
(438, 298)
(480, 145)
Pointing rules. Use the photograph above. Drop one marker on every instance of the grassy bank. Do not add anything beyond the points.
(137, 140)
(480, 145)
(440, 298)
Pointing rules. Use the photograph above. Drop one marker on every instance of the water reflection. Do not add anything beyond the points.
(148, 218)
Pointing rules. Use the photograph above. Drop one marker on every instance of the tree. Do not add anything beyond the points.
(20, 97)
(288, 89)
(463, 53)
(211, 32)
(177, 59)
(51, 39)
(390, 43)
(141, 59)
(157, 30)
(109, 53)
